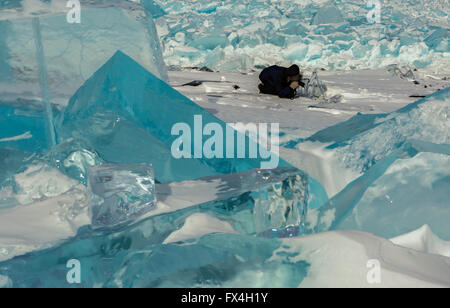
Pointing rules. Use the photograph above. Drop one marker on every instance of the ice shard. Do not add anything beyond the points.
(247, 202)
(366, 139)
(270, 203)
(438, 40)
(131, 115)
(71, 52)
(44, 59)
(43, 81)
(411, 192)
(328, 15)
(404, 161)
(28, 177)
(74, 158)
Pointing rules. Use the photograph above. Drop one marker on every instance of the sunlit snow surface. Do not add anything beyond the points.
(222, 223)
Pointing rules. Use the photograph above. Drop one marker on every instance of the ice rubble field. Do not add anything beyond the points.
(246, 34)
(221, 222)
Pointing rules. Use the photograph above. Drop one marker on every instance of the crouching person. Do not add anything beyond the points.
(281, 81)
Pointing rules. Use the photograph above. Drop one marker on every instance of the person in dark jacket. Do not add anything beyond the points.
(281, 81)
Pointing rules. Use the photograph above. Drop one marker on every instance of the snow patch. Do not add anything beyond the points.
(424, 240)
(42, 224)
(198, 225)
(41, 181)
(342, 259)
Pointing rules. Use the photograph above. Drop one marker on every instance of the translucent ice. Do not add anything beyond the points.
(438, 40)
(227, 261)
(40, 181)
(425, 120)
(129, 260)
(23, 126)
(120, 193)
(411, 192)
(265, 202)
(11, 161)
(74, 158)
(26, 178)
(247, 202)
(71, 51)
(328, 15)
(133, 124)
(404, 161)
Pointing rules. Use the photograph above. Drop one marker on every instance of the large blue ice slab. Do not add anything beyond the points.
(117, 140)
(272, 203)
(131, 115)
(403, 158)
(216, 260)
(71, 52)
(365, 139)
(412, 192)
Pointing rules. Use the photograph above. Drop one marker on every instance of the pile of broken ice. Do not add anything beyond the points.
(248, 34)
